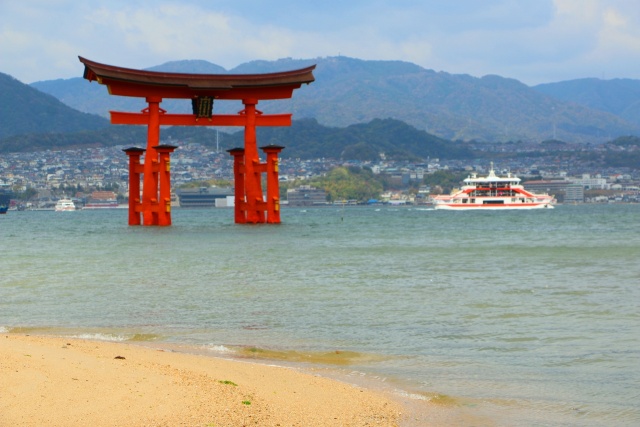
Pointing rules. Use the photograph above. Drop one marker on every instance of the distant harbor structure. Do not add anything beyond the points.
(306, 195)
(205, 197)
(102, 200)
(565, 191)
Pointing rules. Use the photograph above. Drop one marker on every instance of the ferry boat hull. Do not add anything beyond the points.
(492, 206)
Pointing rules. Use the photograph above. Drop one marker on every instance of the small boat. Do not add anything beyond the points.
(65, 205)
(493, 192)
(5, 201)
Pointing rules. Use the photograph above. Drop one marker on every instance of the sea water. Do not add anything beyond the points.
(510, 317)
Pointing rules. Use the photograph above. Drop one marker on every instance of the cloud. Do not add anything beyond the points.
(576, 38)
(534, 41)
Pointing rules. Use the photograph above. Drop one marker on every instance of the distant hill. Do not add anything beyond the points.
(618, 96)
(349, 91)
(105, 137)
(196, 66)
(24, 109)
(308, 139)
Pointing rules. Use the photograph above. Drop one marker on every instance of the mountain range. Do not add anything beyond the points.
(452, 106)
(351, 104)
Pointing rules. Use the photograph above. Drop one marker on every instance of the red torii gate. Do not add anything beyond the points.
(202, 90)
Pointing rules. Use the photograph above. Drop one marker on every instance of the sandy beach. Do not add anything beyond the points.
(57, 381)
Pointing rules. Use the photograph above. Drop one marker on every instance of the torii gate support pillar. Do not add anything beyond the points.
(239, 205)
(135, 170)
(255, 205)
(273, 183)
(156, 210)
(164, 184)
(242, 207)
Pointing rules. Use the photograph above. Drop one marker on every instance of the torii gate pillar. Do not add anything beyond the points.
(135, 170)
(155, 205)
(239, 211)
(150, 183)
(252, 167)
(273, 183)
(242, 206)
(164, 184)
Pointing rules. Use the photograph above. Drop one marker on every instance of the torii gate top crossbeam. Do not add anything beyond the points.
(141, 83)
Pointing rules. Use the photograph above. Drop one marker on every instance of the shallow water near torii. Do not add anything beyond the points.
(518, 318)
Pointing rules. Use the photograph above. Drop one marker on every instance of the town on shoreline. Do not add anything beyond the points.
(38, 179)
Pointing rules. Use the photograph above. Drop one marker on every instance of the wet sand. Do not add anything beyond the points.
(57, 381)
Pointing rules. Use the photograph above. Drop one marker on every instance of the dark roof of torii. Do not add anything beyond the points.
(141, 83)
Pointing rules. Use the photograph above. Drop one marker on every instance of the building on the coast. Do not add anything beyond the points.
(592, 183)
(306, 195)
(102, 199)
(558, 188)
(574, 193)
(203, 197)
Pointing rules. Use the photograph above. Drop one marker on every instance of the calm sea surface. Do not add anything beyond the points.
(514, 318)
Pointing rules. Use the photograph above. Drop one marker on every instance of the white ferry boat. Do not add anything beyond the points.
(493, 192)
(65, 205)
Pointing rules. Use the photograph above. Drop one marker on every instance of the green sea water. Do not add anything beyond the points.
(511, 318)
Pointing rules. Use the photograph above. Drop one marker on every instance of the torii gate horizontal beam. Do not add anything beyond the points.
(142, 83)
(121, 118)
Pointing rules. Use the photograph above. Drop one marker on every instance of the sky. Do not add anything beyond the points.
(534, 41)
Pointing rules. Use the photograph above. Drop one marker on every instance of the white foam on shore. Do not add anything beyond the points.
(3, 329)
(220, 349)
(413, 396)
(101, 337)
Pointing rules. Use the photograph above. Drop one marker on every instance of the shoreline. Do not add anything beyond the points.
(60, 381)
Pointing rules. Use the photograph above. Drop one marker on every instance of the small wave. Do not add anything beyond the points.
(414, 396)
(438, 399)
(219, 349)
(105, 336)
(101, 337)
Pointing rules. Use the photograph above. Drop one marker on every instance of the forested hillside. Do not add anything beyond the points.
(397, 140)
(305, 139)
(617, 96)
(24, 109)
